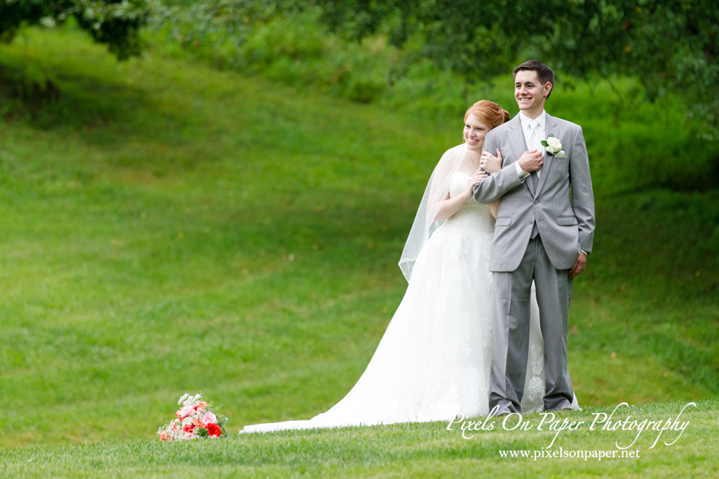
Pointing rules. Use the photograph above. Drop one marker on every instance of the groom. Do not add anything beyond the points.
(544, 233)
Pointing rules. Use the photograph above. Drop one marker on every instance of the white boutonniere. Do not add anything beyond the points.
(554, 147)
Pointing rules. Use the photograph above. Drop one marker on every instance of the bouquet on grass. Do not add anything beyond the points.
(194, 420)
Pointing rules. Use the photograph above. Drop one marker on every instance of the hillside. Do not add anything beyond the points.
(168, 228)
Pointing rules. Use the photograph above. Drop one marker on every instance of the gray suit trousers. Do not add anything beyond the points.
(512, 292)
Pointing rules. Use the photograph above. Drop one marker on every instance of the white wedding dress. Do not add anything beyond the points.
(434, 360)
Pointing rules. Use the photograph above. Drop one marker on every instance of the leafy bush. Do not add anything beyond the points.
(112, 22)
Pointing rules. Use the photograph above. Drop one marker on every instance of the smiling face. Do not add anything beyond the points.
(530, 93)
(474, 132)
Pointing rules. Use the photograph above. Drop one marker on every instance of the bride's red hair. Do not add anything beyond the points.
(488, 113)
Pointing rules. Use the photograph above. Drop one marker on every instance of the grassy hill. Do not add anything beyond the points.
(167, 228)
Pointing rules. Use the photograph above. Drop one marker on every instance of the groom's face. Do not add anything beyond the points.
(529, 92)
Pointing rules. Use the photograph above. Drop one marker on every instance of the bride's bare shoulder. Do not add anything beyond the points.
(455, 150)
(453, 153)
(450, 158)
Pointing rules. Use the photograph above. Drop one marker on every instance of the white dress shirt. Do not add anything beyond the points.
(540, 134)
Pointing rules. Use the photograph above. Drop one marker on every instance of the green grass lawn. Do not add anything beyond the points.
(167, 228)
(426, 450)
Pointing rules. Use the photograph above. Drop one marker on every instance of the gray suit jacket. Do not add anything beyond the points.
(565, 221)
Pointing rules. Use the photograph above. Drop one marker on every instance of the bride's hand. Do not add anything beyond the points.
(490, 163)
(476, 178)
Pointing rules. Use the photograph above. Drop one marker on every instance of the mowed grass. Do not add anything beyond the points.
(166, 228)
(426, 450)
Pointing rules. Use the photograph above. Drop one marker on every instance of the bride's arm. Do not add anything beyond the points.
(449, 206)
(494, 208)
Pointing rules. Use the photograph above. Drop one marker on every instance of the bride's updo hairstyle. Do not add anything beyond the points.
(488, 113)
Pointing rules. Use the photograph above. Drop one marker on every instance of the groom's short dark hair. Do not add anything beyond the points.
(544, 73)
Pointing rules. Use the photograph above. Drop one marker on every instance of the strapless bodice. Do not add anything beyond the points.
(473, 216)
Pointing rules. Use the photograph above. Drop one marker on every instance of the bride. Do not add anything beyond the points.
(433, 362)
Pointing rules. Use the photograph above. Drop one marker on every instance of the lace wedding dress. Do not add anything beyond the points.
(434, 360)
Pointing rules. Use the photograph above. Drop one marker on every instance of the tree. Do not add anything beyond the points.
(672, 45)
(112, 22)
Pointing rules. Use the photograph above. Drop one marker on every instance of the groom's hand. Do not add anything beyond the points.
(578, 266)
(531, 161)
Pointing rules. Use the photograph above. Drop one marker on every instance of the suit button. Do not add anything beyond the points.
(536, 201)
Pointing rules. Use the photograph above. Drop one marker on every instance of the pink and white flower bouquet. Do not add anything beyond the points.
(194, 420)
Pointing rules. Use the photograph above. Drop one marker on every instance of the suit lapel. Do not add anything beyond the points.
(550, 128)
(518, 144)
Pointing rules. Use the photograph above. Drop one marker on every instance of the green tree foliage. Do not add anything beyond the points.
(112, 22)
(194, 21)
(671, 45)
